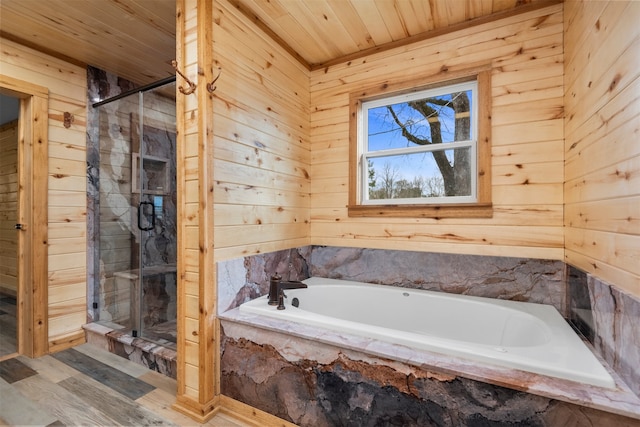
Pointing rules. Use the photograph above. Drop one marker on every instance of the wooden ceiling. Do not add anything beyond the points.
(135, 39)
(321, 32)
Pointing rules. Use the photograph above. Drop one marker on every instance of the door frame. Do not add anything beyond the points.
(33, 161)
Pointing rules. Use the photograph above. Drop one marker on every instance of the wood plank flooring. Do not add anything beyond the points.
(89, 386)
(8, 343)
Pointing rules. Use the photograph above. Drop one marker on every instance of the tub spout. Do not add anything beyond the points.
(276, 286)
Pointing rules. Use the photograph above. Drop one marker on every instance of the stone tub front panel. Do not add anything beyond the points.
(315, 384)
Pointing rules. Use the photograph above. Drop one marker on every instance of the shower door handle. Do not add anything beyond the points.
(153, 216)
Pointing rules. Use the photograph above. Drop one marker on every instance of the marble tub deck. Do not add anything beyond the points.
(621, 400)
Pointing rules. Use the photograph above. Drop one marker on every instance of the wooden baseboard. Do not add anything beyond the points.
(194, 410)
(67, 341)
(250, 415)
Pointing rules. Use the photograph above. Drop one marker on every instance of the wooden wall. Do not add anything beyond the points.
(602, 146)
(261, 147)
(8, 208)
(526, 55)
(243, 170)
(187, 151)
(66, 182)
(196, 267)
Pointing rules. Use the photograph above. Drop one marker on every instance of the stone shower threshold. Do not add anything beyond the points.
(159, 357)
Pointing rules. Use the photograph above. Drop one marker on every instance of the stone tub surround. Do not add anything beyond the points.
(518, 279)
(153, 356)
(614, 315)
(314, 377)
(610, 319)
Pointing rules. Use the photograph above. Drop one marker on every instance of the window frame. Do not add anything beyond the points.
(482, 207)
(393, 99)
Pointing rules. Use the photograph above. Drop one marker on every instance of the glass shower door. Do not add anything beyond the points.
(155, 164)
(137, 215)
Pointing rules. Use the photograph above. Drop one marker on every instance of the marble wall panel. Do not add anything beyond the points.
(519, 279)
(610, 319)
(114, 237)
(100, 85)
(243, 279)
(314, 384)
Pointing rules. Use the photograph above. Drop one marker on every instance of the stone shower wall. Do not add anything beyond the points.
(100, 85)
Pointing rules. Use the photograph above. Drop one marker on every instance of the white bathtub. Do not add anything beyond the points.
(525, 336)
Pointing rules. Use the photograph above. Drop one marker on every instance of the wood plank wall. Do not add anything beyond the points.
(197, 331)
(602, 146)
(187, 208)
(258, 152)
(67, 86)
(526, 54)
(261, 148)
(8, 208)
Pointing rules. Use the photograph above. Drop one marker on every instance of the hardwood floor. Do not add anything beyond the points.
(89, 386)
(8, 343)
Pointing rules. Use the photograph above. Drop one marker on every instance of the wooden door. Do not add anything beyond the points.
(31, 225)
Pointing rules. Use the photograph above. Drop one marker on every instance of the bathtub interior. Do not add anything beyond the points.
(525, 336)
(458, 317)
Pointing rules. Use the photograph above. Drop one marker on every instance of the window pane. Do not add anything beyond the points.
(443, 173)
(425, 121)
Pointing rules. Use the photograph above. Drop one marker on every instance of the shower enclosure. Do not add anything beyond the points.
(136, 218)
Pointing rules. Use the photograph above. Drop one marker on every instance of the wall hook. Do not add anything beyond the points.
(192, 85)
(67, 119)
(210, 86)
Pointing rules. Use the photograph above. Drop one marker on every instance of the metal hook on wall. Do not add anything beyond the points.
(210, 86)
(192, 85)
(67, 119)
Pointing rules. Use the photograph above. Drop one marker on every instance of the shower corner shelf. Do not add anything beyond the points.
(156, 171)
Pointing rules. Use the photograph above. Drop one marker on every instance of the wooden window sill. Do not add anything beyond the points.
(475, 210)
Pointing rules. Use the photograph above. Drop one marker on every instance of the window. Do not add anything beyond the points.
(422, 152)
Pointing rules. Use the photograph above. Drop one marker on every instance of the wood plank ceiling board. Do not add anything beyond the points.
(373, 21)
(351, 20)
(134, 39)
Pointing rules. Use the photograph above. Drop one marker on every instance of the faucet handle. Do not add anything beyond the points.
(281, 298)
